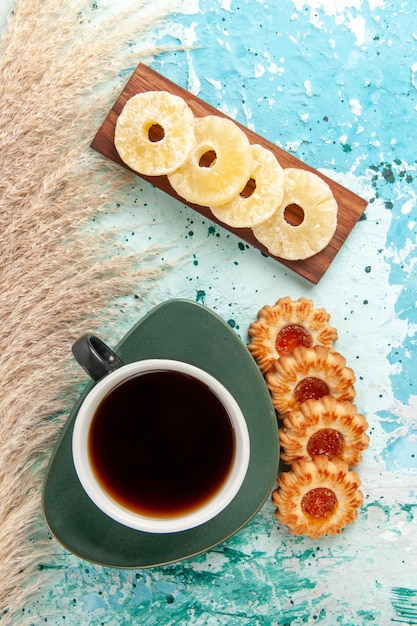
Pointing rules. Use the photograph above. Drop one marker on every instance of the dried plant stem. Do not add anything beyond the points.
(58, 77)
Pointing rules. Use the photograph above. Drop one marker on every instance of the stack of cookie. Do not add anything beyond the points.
(322, 435)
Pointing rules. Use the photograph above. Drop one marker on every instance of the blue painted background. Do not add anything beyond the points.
(334, 82)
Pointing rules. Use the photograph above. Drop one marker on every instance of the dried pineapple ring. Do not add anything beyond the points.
(295, 242)
(170, 119)
(317, 497)
(268, 181)
(324, 427)
(219, 165)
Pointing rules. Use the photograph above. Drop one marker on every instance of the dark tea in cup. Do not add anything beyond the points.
(159, 445)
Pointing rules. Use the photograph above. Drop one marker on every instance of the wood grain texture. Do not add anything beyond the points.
(350, 205)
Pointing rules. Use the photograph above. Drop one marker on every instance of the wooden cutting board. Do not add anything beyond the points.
(350, 205)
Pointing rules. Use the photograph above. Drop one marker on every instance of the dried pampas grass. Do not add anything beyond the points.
(58, 65)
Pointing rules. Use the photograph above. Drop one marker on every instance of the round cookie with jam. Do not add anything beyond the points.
(286, 325)
(317, 497)
(326, 427)
(309, 374)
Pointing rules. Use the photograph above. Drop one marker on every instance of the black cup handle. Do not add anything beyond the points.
(95, 357)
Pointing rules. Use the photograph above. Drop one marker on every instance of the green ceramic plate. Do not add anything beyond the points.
(182, 330)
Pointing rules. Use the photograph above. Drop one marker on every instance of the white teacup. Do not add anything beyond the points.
(159, 445)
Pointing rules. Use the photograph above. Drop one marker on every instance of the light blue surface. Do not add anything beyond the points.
(334, 82)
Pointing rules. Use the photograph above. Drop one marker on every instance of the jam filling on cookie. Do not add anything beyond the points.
(310, 388)
(319, 503)
(291, 337)
(326, 441)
